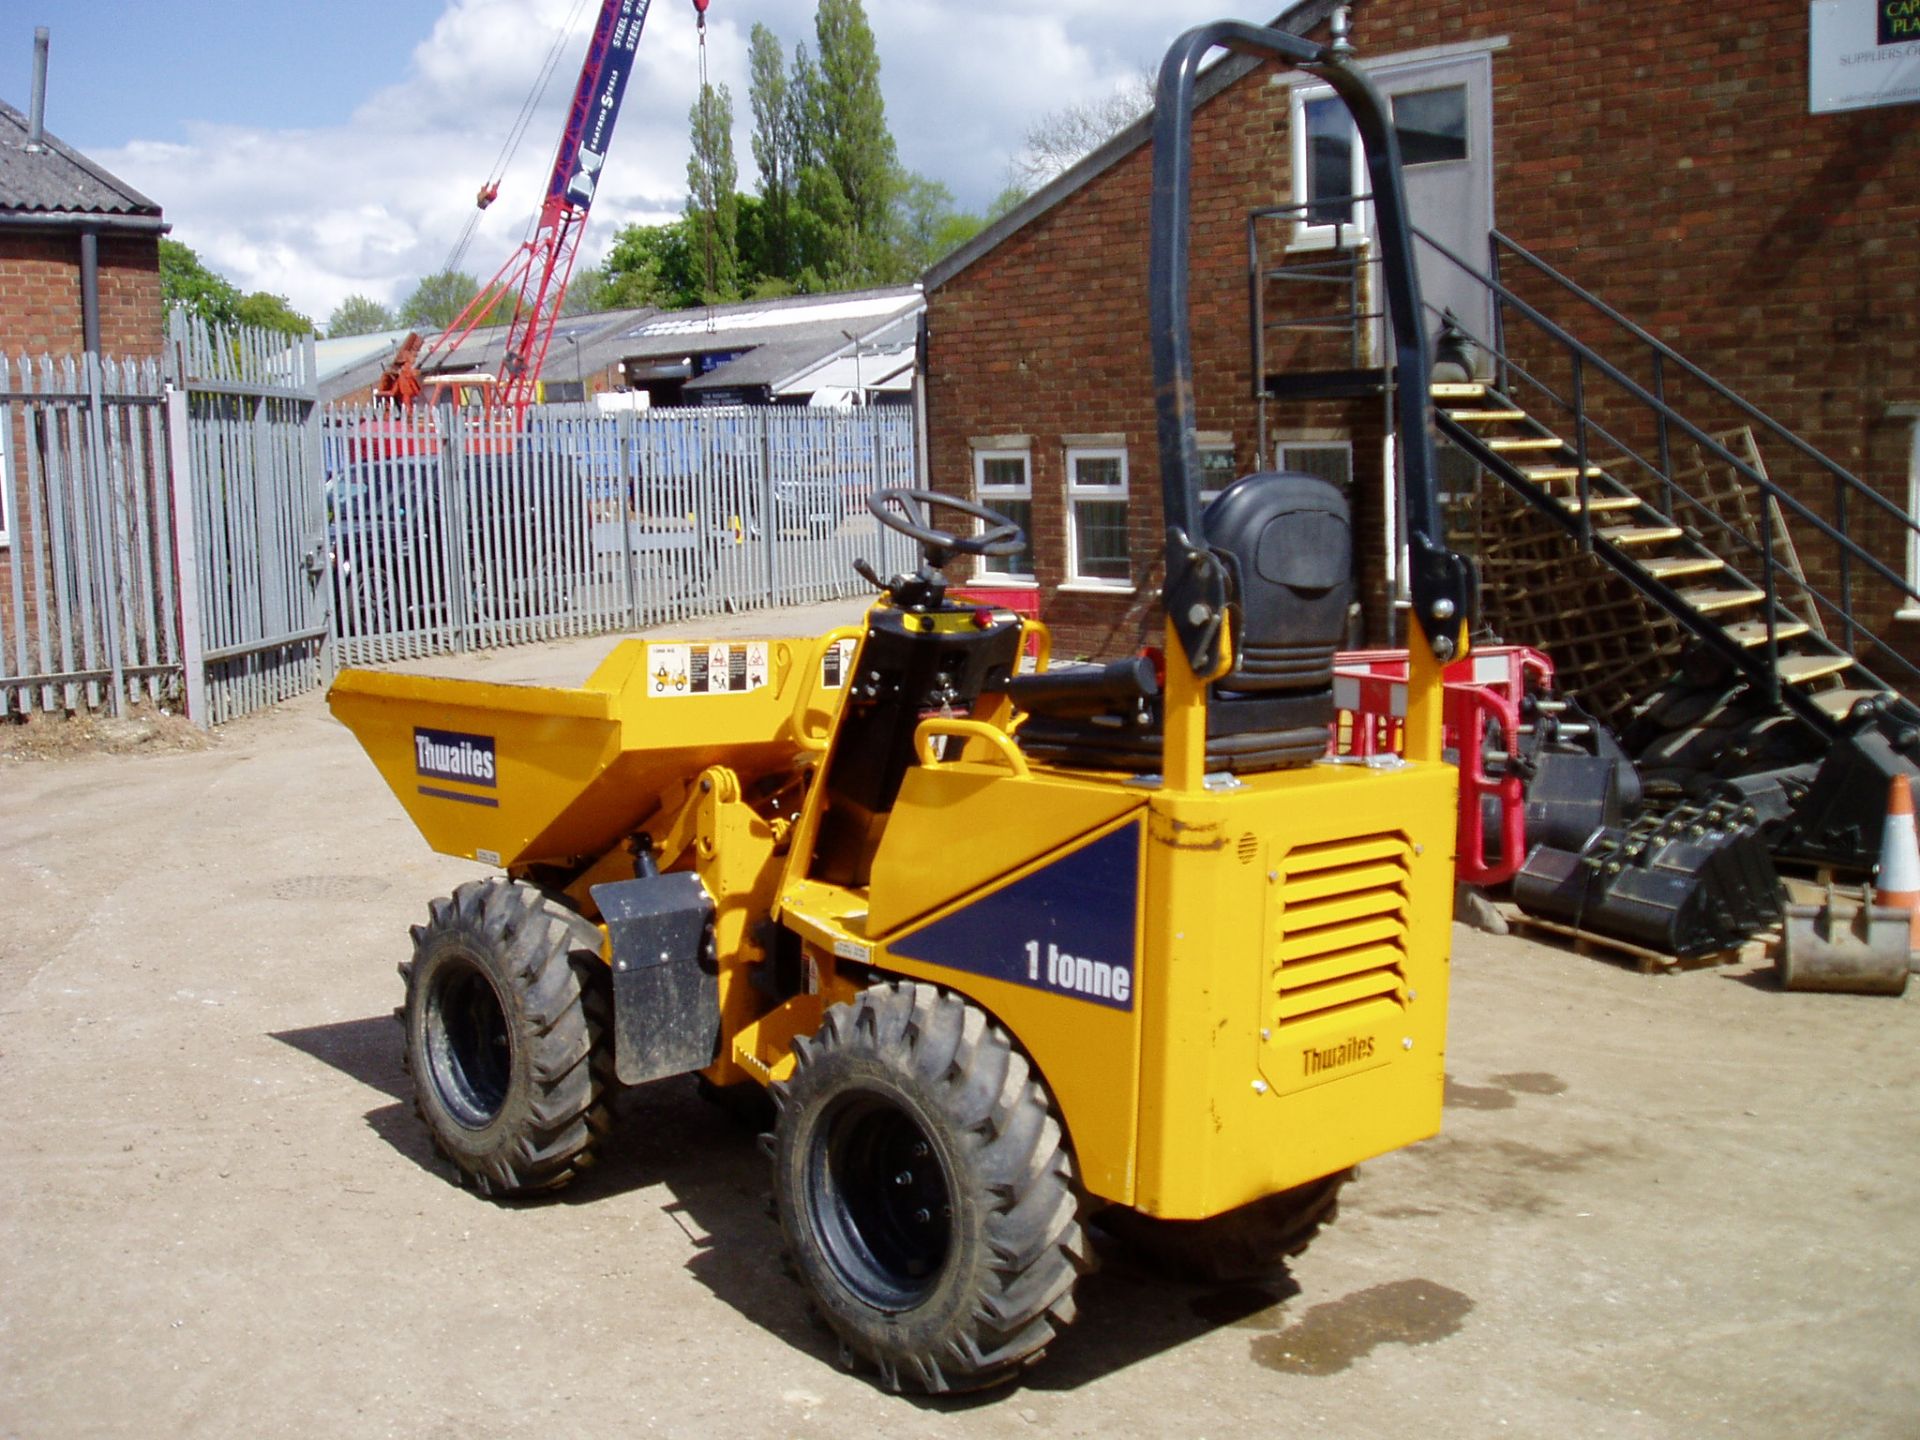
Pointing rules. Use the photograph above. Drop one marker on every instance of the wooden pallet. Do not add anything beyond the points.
(1607, 947)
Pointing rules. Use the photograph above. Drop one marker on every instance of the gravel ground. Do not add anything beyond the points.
(1662, 1206)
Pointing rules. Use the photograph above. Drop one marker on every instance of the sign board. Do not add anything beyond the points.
(1862, 54)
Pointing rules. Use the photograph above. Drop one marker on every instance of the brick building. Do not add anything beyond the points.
(79, 271)
(1681, 161)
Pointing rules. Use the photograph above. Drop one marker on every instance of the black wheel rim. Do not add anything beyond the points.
(881, 1202)
(469, 1049)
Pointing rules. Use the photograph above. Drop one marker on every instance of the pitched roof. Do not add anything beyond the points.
(1296, 19)
(58, 180)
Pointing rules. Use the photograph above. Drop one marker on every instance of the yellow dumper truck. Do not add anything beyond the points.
(1011, 949)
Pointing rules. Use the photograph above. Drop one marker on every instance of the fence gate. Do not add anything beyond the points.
(86, 536)
(246, 462)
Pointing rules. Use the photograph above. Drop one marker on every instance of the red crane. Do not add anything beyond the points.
(536, 274)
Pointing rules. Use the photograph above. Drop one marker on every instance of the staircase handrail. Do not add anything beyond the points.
(1851, 548)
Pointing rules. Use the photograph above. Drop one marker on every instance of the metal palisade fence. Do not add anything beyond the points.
(244, 426)
(202, 532)
(87, 565)
(452, 530)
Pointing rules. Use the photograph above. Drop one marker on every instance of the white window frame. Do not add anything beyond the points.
(985, 492)
(1215, 442)
(1077, 492)
(1354, 234)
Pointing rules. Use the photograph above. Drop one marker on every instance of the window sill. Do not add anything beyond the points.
(1000, 582)
(1095, 587)
(1910, 615)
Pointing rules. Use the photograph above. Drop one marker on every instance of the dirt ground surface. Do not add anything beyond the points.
(1661, 1206)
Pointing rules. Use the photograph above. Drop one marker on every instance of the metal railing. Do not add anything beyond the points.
(1621, 410)
(87, 571)
(1598, 399)
(450, 531)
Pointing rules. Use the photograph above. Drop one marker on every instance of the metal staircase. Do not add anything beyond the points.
(1747, 620)
(1591, 422)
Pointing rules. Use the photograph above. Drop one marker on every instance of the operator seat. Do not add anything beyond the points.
(1288, 544)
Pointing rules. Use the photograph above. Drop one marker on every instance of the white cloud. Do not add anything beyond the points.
(371, 204)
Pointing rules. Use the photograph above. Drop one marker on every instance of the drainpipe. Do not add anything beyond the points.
(90, 290)
(37, 111)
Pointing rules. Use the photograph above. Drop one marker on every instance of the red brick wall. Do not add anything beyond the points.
(1662, 155)
(1047, 337)
(40, 295)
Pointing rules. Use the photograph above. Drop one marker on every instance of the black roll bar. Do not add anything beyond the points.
(1196, 587)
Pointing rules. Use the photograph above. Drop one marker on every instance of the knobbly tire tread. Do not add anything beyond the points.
(1016, 1246)
(1250, 1243)
(544, 961)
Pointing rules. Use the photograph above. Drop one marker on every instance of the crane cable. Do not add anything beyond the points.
(706, 138)
(490, 187)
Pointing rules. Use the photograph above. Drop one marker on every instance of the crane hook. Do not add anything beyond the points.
(700, 7)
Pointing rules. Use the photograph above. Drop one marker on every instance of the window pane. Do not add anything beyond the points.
(1003, 471)
(1020, 563)
(1432, 125)
(1330, 150)
(1329, 462)
(1101, 470)
(1100, 530)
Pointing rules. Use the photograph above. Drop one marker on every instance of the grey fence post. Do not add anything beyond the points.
(457, 561)
(106, 529)
(186, 558)
(770, 534)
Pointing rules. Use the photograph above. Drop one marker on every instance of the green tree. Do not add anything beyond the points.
(775, 152)
(852, 137)
(712, 199)
(929, 225)
(652, 265)
(272, 312)
(437, 300)
(358, 315)
(186, 282)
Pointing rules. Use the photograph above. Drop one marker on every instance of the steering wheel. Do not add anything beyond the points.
(894, 508)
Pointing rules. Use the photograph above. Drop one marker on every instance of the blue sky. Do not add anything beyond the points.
(321, 150)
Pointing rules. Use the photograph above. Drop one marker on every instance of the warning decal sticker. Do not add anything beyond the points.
(719, 667)
(835, 661)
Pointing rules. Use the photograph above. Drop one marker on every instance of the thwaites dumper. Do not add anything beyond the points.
(1014, 953)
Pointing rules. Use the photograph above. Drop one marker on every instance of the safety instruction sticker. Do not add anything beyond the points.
(835, 662)
(719, 667)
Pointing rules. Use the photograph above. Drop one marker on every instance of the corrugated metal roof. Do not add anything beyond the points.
(817, 321)
(57, 179)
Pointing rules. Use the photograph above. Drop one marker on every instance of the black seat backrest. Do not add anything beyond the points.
(1289, 541)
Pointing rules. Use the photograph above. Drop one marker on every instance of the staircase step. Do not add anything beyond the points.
(1458, 390)
(1486, 417)
(1753, 633)
(1838, 702)
(1546, 474)
(1802, 669)
(1600, 504)
(1526, 442)
(1709, 602)
(1640, 534)
(1672, 566)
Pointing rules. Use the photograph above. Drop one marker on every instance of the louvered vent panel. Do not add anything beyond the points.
(1341, 928)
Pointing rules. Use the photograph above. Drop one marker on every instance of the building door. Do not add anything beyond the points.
(1443, 114)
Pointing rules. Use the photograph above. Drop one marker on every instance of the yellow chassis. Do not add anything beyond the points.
(1230, 986)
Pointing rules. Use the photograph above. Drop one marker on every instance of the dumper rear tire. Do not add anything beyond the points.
(926, 1191)
(1253, 1242)
(506, 1037)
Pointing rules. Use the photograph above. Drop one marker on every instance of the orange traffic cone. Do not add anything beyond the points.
(1898, 883)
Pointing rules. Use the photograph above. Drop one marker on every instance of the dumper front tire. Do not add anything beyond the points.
(926, 1191)
(505, 1039)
